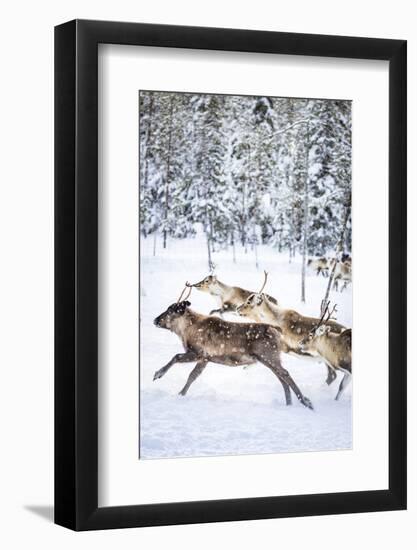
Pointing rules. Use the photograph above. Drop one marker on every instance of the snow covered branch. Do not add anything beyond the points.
(296, 123)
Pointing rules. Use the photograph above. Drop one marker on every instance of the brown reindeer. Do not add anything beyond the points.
(320, 265)
(342, 273)
(293, 325)
(229, 297)
(210, 339)
(334, 349)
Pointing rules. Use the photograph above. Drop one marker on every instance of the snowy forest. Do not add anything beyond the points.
(246, 170)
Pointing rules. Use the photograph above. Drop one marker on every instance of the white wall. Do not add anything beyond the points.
(26, 292)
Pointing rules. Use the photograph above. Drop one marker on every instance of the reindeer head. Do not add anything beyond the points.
(320, 329)
(208, 284)
(253, 301)
(323, 330)
(174, 311)
(168, 317)
(250, 306)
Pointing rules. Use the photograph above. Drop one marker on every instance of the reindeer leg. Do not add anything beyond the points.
(220, 311)
(343, 384)
(285, 378)
(287, 391)
(301, 398)
(224, 309)
(331, 375)
(195, 373)
(186, 357)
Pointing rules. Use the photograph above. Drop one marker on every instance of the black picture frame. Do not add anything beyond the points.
(76, 272)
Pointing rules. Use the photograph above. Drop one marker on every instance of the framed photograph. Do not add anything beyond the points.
(230, 207)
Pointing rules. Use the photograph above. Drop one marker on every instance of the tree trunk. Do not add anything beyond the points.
(211, 234)
(208, 231)
(210, 263)
(171, 114)
(243, 224)
(148, 143)
(339, 250)
(233, 247)
(305, 235)
(292, 215)
(155, 233)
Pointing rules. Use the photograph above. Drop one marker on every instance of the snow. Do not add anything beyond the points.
(232, 410)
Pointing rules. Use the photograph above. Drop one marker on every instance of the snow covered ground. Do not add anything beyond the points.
(232, 410)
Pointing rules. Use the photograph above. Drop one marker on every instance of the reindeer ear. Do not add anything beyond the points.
(182, 306)
(259, 299)
(214, 278)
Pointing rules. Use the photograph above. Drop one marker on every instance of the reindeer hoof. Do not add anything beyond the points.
(158, 374)
(182, 392)
(307, 403)
(216, 312)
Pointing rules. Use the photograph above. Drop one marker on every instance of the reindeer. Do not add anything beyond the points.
(320, 265)
(210, 339)
(229, 297)
(343, 272)
(334, 349)
(293, 325)
(346, 258)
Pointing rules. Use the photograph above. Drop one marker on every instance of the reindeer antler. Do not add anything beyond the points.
(325, 310)
(329, 316)
(265, 280)
(322, 320)
(189, 291)
(182, 297)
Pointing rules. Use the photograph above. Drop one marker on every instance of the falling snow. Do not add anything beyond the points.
(232, 410)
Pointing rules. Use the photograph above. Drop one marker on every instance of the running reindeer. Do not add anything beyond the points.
(334, 349)
(210, 339)
(319, 265)
(293, 325)
(343, 273)
(229, 297)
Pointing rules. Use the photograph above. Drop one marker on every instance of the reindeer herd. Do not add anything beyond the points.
(342, 269)
(268, 331)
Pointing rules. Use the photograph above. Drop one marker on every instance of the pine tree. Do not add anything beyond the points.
(246, 170)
